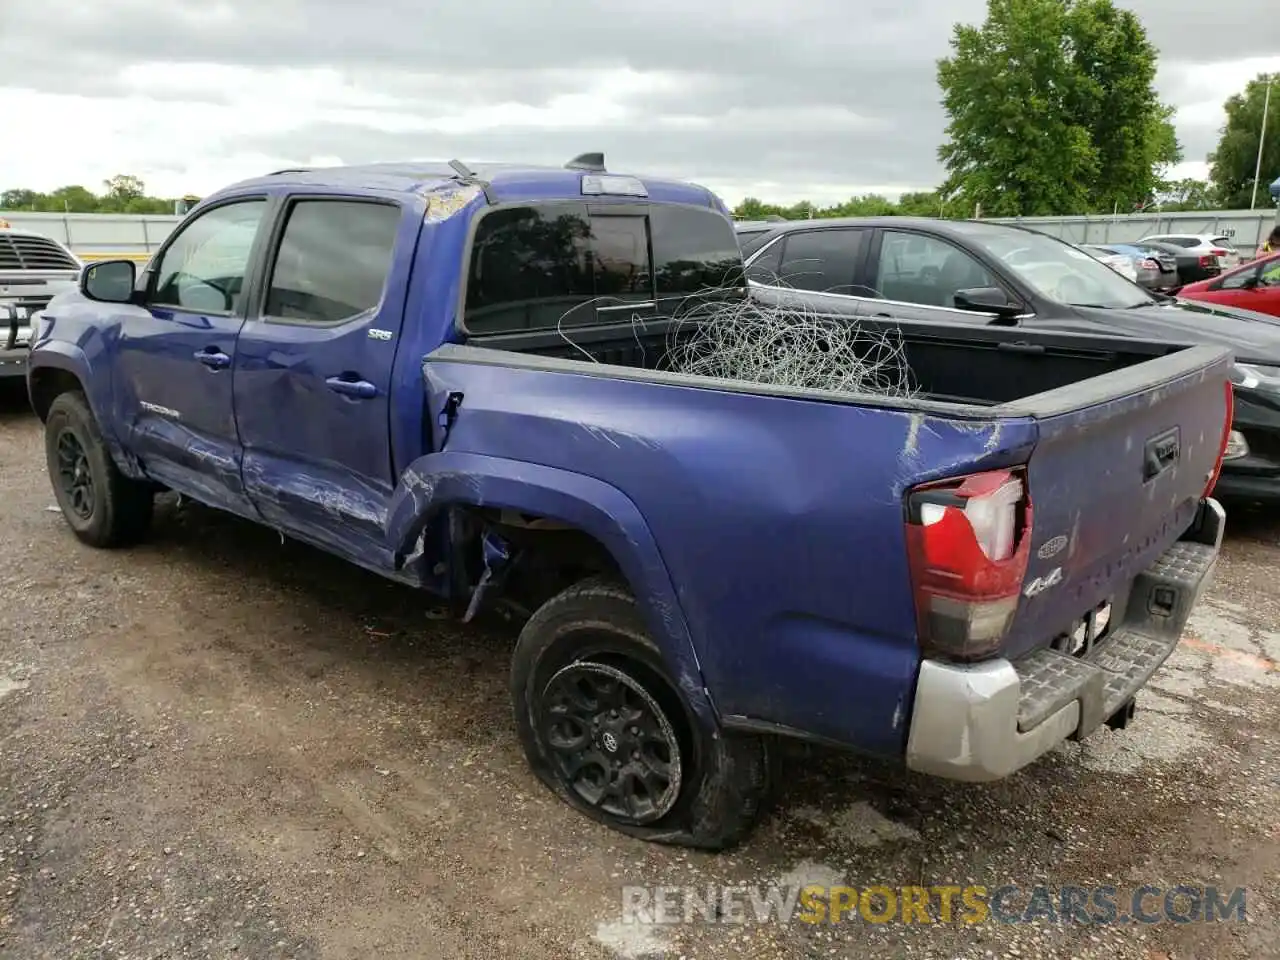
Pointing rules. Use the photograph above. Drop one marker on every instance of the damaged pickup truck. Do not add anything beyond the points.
(461, 380)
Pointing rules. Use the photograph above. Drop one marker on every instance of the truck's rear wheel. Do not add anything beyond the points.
(604, 726)
(103, 507)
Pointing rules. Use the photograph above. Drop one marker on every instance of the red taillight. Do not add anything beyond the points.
(1208, 261)
(1218, 253)
(968, 542)
(1150, 264)
(1226, 436)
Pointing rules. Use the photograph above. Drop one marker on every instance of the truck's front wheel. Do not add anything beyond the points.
(604, 726)
(103, 507)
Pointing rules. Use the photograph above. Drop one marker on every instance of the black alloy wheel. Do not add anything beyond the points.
(74, 474)
(610, 742)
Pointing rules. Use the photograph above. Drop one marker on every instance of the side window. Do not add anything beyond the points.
(1269, 274)
(823, 261)
(333, 260)
(1239, 280)
(203, 269)
(914, 268)
(764, 268)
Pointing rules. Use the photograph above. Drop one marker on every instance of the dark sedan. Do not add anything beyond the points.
(949, 272)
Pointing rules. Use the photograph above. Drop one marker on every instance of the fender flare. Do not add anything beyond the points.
(439, 480)
(70, 358)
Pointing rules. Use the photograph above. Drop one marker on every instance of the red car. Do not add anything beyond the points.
(1251, 286)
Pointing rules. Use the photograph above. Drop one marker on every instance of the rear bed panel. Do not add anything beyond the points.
(1113, 485)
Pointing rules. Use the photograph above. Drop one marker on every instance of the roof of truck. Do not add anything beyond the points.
(504, 181)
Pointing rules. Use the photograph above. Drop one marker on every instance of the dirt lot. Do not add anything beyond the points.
(217, 745)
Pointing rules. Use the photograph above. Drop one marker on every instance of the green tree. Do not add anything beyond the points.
(868, 205)
(123, 188)
(927, 204)
(1113, 96)
(72, 199)
(123, 194)
(1052, 110)
(18, 199)
(1232, 164)
(1188, 194)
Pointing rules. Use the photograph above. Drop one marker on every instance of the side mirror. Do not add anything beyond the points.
(1250, 282)
(110, 281)
(987, 300)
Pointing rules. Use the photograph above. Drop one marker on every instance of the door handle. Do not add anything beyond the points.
(352, 388)
(1160, 453)
(213, 358)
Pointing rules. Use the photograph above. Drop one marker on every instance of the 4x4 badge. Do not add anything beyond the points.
(1041, 584)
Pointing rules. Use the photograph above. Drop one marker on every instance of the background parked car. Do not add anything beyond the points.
(1192, 267)
(1155, 271)
(33, 268)
(1254, 286)
(752, 232)
(976, 272)
(1121, 263)
(1205, 244)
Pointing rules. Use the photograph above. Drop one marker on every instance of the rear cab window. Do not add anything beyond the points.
(567, 263)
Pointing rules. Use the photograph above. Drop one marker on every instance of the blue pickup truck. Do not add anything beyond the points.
(461, 379)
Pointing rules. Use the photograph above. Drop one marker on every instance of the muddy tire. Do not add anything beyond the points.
(604, 727)
(103, 507)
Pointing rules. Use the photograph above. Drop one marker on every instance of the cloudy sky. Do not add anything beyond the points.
(815, 99)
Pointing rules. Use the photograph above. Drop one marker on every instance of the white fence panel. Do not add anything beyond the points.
(1247, 229)
(94, 236)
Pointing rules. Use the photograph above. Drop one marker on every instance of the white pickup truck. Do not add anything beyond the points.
(33, 268)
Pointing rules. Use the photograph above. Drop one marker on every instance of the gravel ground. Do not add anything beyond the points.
(218, 745)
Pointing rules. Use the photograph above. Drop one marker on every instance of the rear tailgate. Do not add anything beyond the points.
(1117, 475)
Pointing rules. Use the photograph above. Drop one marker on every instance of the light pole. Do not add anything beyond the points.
(1262, 140)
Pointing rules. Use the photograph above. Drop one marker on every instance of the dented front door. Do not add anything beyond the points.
(314, 369)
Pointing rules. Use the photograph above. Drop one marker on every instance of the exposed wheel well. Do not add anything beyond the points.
(546, 556)
(46, 385)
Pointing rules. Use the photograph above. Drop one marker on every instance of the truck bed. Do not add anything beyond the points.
(949, 365)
